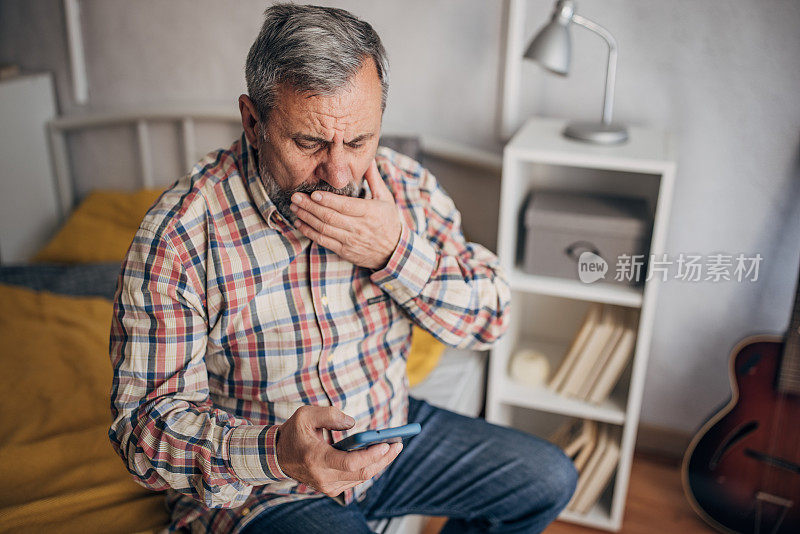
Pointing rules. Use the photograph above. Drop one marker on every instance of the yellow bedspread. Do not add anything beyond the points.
(58, 470)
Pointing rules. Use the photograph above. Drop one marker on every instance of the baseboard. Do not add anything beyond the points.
(666, 442)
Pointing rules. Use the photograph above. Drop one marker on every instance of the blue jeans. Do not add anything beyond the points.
(484, 477)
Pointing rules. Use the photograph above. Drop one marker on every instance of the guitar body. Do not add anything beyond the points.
(741, 471)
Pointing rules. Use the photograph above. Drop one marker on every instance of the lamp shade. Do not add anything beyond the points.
(552, 47)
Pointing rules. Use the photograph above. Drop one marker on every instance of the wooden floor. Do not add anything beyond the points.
(655, 504)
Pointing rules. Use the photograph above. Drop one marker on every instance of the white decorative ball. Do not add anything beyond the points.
(529, 367)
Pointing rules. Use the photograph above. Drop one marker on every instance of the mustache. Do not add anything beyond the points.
(282, 197)
(348, 190)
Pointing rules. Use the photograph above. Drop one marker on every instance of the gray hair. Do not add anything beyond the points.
(313, 49)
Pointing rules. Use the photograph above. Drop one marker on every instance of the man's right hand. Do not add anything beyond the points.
(304, 455)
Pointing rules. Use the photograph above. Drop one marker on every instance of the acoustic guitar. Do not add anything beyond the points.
(741, 472)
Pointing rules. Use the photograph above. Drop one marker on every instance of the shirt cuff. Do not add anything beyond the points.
(409, 267)
(253, 454)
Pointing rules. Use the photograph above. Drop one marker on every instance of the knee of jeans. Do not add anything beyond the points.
(562, 477)
(554, 477)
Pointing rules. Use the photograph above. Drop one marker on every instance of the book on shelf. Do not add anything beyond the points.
(611, 372)
(589, 469)
(599, 344)
(597, 355)
(595, 483)
(620, 319)
(577, 439)
(583, 452)
(591, 320)
(595, 451)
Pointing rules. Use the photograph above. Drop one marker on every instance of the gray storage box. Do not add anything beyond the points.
(560, 226)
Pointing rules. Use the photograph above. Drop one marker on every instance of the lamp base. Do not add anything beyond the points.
(596, 132)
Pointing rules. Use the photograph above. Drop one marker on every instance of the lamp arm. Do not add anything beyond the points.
(611, 68)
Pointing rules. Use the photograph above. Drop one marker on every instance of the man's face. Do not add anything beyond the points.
(320, 143)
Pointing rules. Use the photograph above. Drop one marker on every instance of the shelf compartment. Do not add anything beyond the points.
(534, 333)
(573, 289)
(543, 425)
(523, 178)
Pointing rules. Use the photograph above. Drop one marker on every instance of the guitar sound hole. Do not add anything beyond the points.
(736, 435)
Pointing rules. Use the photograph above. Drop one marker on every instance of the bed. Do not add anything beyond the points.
(60, 470)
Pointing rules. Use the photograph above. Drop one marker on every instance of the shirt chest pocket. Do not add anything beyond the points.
(373, 310)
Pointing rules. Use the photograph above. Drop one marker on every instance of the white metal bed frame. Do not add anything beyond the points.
(187, 118)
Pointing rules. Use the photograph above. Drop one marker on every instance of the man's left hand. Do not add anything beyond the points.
(362, 231)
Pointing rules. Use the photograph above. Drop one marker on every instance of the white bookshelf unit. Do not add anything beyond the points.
(547, 311)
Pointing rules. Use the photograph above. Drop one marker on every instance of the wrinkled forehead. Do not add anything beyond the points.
(356, 105)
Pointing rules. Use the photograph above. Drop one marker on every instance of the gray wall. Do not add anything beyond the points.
(723, 75)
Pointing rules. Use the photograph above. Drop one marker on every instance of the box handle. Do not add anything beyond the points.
(575, 250)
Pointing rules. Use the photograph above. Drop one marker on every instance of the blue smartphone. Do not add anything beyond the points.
(371, 437)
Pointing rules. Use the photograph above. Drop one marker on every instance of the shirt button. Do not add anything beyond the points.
(389, 287)
(324, 300)
(245, 511)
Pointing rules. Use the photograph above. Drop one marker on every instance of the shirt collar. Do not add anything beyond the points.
(265, 206)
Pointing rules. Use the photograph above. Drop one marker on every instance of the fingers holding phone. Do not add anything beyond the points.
(305, 456)
(357, 466)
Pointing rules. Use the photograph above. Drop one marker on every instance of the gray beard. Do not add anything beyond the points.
(283, 198)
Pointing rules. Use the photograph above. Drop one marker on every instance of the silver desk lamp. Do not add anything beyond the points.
(551, 48)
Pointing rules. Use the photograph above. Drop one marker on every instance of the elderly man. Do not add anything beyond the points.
(264, 312)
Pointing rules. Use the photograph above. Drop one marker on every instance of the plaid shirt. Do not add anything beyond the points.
(227, 319)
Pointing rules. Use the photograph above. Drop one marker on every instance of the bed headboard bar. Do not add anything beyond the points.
(140, 118)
